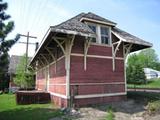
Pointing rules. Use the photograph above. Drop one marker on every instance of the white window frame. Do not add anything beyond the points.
(109, 33)
(98, 34)
(93, 24)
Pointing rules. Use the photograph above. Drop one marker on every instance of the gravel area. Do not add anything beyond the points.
(127, 110)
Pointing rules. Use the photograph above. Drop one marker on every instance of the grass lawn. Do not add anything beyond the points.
(10, 111)
(151, 84)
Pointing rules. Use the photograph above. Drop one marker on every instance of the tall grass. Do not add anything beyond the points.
(110, 114)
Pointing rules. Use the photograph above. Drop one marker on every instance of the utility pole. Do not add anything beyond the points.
(27, 36)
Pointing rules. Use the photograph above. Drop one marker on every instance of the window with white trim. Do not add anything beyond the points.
(105, 35)
(94, 29)
(102, 33)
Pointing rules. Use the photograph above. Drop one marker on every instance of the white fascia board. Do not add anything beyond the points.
(42, 42)
(99, 95)
(98, 21)
(58, 95)
(73, 32)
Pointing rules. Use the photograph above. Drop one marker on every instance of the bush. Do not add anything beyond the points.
(110, 115)
(154, 106)
(135, 74)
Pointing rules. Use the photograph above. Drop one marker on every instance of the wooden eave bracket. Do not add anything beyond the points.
(69, 44)
(126, 49)
(60, 44)
(114, 51)
(40, 61)
(44, 58)
(50, 53)
(86, 46)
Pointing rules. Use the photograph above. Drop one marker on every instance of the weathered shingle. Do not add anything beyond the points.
(130, 38)
(93, 16)
(75, 25)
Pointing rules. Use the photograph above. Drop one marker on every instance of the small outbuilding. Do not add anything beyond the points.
(82, 61)
(151, 73)
(13, 62)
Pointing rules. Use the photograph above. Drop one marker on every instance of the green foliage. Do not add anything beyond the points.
(110, 115)
(6, 27)
(135, 72)
(9, 110)
(154, 83)
(24, 77)
(136, 62)
(153, 106)
(149, 59)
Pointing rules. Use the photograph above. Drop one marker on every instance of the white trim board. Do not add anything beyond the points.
(56, 84)
(51, 63)
(97, 21)
(58, 95)
(99, 95)
(57, 60)
(113, 83)
(96, 56)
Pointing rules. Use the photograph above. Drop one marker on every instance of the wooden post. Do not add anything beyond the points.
(27, 36)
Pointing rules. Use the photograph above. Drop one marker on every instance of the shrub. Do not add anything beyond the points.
(154, 106)
(110, 115)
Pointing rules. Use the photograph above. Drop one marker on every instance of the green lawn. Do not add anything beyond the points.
(10, 111)
(151, 84)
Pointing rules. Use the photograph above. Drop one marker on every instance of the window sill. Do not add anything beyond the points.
(98, 44)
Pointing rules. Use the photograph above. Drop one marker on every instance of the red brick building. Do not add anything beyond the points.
(81, 61)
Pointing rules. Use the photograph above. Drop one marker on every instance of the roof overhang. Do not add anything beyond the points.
(137, 45)
(54, 31)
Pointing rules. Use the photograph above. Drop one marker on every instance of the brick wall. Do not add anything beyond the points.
(40, 79)
(61, 102)
(99, 77)
(98, 100)
(57, 79)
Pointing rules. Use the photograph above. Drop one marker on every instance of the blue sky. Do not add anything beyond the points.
(138, 17)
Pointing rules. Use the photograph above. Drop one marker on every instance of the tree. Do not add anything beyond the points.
(136, 62)
(149, 59)
(5, 28)
(24, 78)
(135, 72)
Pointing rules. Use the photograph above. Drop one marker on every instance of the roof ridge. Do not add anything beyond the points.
(77, 16)
(92, 15)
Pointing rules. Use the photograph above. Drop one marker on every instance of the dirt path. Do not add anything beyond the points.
(127, 110)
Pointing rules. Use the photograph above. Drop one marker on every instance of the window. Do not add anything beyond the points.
(94, 29)
(102, 33)
(105, 35)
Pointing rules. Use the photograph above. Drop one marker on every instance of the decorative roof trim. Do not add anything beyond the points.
(43, 40)
(60, 31)
(97, 21)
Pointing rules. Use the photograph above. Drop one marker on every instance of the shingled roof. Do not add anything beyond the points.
(76, 26)
(93, 16)
(127, 37)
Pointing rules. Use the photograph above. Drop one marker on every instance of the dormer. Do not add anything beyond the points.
(100, 26)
